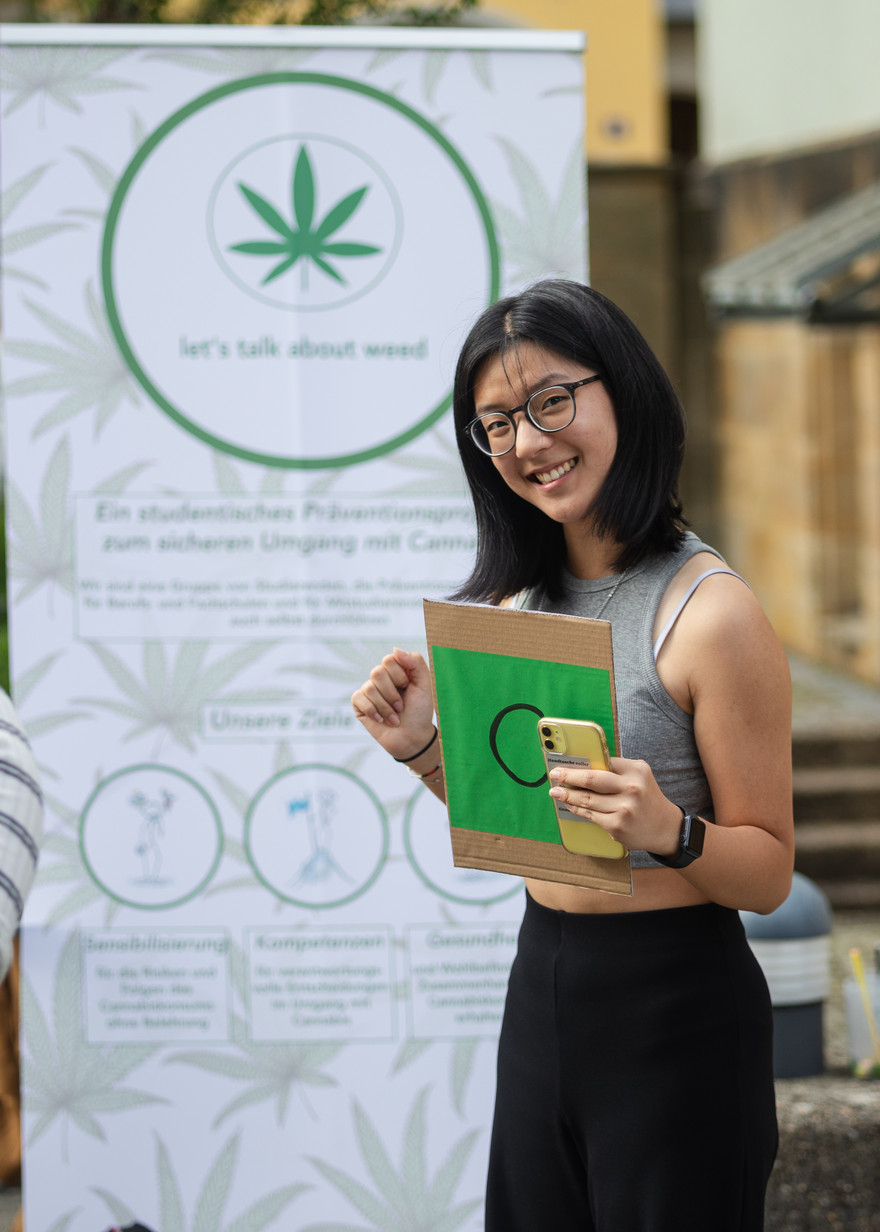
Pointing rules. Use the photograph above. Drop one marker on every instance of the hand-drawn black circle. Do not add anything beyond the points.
(493, 742)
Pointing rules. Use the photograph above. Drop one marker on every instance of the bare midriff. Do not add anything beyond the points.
(654, 889)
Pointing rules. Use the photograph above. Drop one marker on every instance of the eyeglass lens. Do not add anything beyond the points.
(549, 409)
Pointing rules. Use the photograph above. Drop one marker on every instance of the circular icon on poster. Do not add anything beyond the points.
(150, 837)
(317, 208)
(324, 255)
(426, 838)
(316, 836)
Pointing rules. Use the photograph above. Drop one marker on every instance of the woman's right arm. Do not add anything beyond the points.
(396, 706)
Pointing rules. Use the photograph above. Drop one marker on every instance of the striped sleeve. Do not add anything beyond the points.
(21, 825)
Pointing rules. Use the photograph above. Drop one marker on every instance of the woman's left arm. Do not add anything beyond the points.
(724, 663)
(740, 688)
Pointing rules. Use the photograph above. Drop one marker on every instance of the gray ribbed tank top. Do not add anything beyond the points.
(652, 727)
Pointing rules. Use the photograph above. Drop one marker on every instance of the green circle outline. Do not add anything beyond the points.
(139, 158)
(383, 819)
(378, 171)
(423, 876)
(147, 765)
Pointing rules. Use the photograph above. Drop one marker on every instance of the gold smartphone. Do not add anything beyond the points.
(578, 742)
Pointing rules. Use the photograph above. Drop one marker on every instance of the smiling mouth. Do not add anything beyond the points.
(541, 477)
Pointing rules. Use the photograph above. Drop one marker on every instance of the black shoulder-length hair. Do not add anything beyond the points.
(638, 506)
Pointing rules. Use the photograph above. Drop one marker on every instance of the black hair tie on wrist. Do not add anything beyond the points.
(404, 760)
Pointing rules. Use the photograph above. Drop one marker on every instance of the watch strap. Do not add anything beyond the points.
(690, 842)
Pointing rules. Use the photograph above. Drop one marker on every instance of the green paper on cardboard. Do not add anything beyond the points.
(490, 704)
(496, 671)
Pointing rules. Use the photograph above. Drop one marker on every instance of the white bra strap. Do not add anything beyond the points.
(520, 599)
(682, 603)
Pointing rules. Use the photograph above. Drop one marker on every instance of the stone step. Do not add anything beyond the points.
(838, 851)
(840, 746)
(852, 896)
(843, 793)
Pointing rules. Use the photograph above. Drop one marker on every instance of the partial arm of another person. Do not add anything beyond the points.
(21, 826)
(724, 664)
(396, 707)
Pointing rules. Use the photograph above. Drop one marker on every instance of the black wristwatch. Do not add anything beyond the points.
(690, 843)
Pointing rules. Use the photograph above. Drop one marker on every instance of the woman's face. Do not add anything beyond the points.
(560, 473)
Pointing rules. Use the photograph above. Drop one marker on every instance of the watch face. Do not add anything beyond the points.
(694, 832)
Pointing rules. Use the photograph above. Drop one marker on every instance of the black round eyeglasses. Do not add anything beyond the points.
(549, 410)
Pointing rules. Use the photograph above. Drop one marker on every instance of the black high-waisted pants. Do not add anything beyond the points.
(635, 1076)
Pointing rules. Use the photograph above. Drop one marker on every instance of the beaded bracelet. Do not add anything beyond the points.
(413, 774)
(415, 756)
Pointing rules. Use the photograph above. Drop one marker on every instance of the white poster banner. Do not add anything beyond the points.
(237, 265)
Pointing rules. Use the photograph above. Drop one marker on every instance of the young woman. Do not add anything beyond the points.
(635, 1089)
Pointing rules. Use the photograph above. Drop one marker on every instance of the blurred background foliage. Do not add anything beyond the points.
(247, 12)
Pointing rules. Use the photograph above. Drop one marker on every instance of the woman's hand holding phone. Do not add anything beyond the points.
(625, 800)
(396, 705)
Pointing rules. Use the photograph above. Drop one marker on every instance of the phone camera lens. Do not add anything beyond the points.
(548, 744)
(545, 731)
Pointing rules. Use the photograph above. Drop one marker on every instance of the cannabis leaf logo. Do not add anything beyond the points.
(300, 241)
(66, 1077)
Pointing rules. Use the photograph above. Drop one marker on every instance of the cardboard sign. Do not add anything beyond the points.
(496, 671)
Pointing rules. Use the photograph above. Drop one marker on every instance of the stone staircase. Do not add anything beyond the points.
(837, 811)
